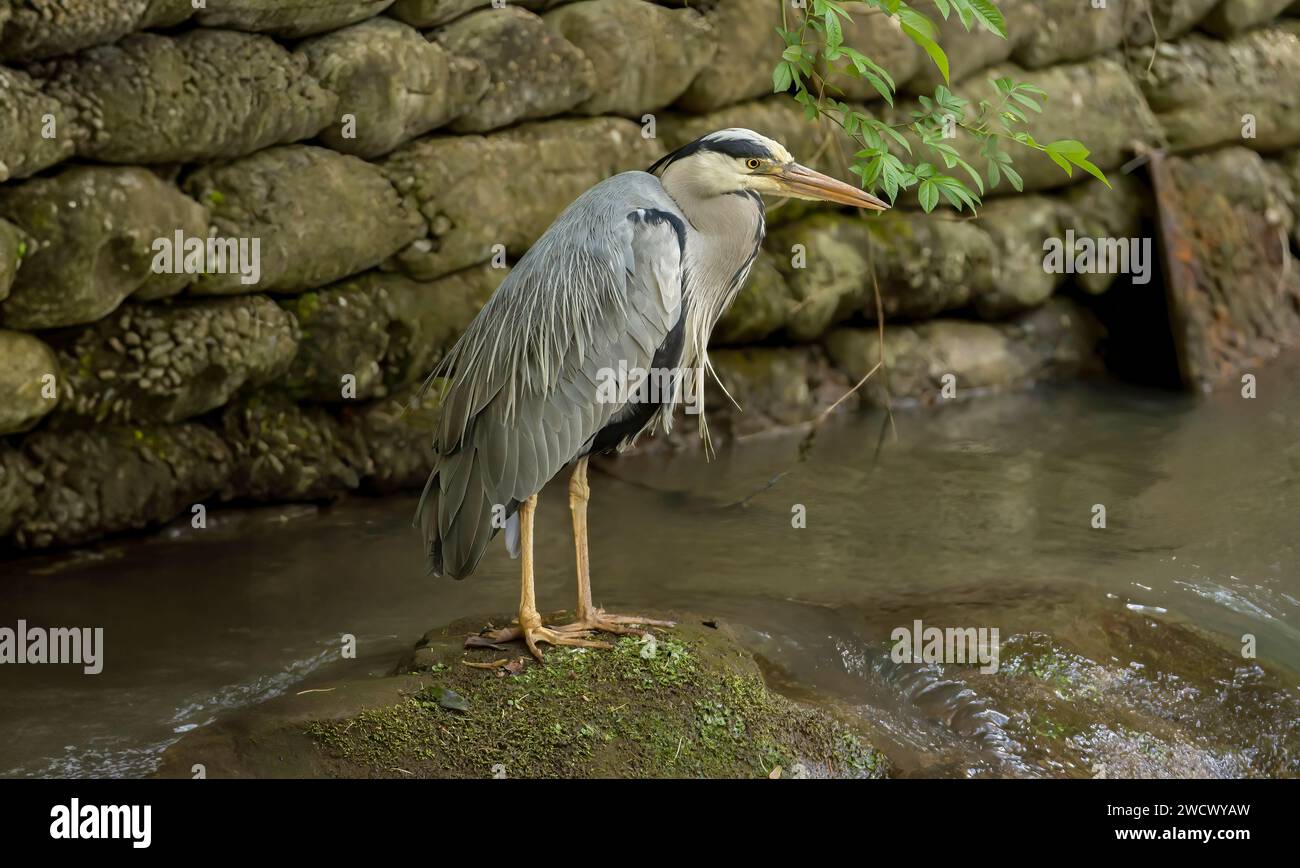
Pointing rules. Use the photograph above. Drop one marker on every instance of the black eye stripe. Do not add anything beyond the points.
(739, 147)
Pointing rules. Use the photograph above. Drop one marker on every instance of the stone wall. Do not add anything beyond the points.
(392, 158)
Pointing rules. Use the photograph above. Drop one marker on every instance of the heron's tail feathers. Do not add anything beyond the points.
(458, 515)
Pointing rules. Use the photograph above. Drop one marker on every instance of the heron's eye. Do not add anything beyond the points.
(753, 163)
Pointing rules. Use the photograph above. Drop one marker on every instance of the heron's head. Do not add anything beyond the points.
(739, 160)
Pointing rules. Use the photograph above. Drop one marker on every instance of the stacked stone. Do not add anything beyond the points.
(391, 159)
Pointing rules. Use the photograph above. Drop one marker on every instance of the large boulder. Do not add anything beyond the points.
(29, 374)
(398, 435)
(292, 199)
(290, 20)
(26, 114)
(762, 307)
(1206, 92)
(46, 28)
(1018, 227)
(922, 266)
(91, 483)
(171, 362)
(92, 231)
(1232, 283)
(283, 451)
(202, 95)
(392, 85)
(534, 71)
(476, 192)
(644, 56)
(383, 329)
(742, 67)
(1059, 339)
(1066, 30)
(1231, 17)
(13, 247)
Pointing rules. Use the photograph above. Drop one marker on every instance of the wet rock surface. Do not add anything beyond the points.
(168, 363)
(88, 483)
(1071, 714)
(13, 247)
(732, 76)
(203, 95)
(643, 56)
(473, 194)
(1061, 31)
(691, 702)
(1205, 91)
(53, 27)
(922, 267)
(398, 435)
(384, 329)
(293, 19)
(393, 82)
(534, 72)
(1058, 339)
(28, 377)
(26, 114)
(289, 198)
(1231, 17)
(92, 231)
(282, 451)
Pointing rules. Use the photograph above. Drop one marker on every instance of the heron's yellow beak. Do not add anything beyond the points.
(803, 183)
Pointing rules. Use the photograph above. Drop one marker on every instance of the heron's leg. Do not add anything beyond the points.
(589, 617)
(530, 621)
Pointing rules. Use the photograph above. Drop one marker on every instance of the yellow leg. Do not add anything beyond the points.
(530, 621)
(589, 617)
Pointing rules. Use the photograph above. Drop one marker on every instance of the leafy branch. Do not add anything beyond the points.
(887, 160)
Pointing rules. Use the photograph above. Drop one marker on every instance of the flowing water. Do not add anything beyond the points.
(1121, 648)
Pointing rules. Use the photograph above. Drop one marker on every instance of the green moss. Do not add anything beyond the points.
(308, 304)
(690, 704)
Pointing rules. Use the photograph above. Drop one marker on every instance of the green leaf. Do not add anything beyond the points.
(1013, 176)
(834, 34)
(782, 78)
(931, 48)
(990, 16)
(928, 194)
(448, 698)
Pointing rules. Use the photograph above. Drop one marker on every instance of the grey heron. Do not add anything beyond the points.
(632, 276)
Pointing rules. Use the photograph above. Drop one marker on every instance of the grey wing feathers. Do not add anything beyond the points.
(602, 286)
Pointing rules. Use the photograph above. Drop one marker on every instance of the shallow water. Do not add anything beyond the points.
(1116, 642)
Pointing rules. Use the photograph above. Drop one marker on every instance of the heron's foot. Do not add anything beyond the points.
(571, 635)
(599, 620)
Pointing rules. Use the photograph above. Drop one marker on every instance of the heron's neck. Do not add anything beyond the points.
(727, 231)
(723, 240)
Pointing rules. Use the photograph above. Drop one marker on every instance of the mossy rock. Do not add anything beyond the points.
(692, 703)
